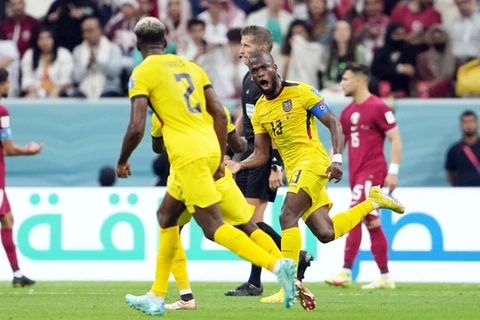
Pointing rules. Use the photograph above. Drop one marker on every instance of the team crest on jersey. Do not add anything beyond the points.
(354, 118)
(287, 105)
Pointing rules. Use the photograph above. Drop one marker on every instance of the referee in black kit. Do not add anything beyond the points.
(259, 185)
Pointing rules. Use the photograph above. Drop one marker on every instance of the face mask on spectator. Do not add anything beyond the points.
(440, 47)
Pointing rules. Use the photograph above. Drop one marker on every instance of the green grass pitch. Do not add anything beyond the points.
(106, 300)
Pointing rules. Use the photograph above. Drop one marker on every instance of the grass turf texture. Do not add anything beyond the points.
(106, 300)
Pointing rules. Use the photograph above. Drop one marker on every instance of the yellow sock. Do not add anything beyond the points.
(240, 244)
(266, 243)
(291, 243)
(179, 269)
(346, 221)
(166, 254)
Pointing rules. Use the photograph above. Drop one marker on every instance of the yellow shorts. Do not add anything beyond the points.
(193, 183)
(314, 185)
(233, 205)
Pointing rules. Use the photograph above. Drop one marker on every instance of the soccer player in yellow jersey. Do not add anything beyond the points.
(286, 114)
(234, 208)
(180, 94)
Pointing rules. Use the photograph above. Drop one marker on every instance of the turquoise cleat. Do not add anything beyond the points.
(286, 278)
(146, 304)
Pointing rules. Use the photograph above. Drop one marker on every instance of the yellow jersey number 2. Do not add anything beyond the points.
(188, 92)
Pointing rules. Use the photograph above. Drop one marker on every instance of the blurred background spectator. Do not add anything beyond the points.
(436, 67)
(322, 21)
(46, 68)
(465, 31)
(19, 27)
(343, 50)
(304, 58)
(66, 16)
(394, 64)
(313, 40)
(98, 63)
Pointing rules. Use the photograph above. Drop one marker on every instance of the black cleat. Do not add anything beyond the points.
(22, 282)
(244, 290)
(303, 264)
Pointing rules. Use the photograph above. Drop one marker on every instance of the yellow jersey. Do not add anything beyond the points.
(290, 124)
(156, 130)
(175, 89)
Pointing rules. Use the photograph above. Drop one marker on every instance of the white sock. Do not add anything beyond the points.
(18, 274)
(153, 297)
(347, 271)
(276, 269)
(375, 205)
(186, 291)
(385, 275)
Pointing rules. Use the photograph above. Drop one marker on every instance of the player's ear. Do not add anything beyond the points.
(165, 44)
(275, 67)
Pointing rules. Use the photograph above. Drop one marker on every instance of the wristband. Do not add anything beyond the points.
(276, 159)
(337, 158)
(393, 168)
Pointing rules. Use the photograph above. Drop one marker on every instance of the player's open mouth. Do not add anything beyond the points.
(264, 84)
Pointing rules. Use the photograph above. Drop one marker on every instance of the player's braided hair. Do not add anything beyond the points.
(261, 36)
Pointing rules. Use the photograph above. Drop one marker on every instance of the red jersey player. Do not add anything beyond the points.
(9, 148)
(366, 122)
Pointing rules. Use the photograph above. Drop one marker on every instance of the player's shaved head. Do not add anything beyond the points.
(4, 83)
(260, 57)
(150, 32)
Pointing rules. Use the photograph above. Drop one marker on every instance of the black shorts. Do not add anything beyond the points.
(254, 182)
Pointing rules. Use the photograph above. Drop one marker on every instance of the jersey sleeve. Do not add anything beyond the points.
(230, 125)
(156, 131)
(385, 119)
(313, 100)
(5, 130)
(256, 123)
(138, 84)
(205, 80)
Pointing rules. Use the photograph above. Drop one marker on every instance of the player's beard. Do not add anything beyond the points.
(273, 88)
(4, 94)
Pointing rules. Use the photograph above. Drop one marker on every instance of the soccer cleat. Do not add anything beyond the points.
(341, 279)
(305, 259)
(274, 298)
(22, 282)
(182, 305)
(376, 195)
(146, 304)
(381, 283)
(306, 298)
(245, 289)
(286, 278)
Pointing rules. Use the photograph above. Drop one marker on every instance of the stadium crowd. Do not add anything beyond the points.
(86, 48)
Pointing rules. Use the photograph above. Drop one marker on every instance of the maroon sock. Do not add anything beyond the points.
(7, 240)
(379, 248)
(352, 246)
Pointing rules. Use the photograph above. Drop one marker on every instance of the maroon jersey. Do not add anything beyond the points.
(21, 32)
(364, 126)
(414, 21)
(5, 134)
